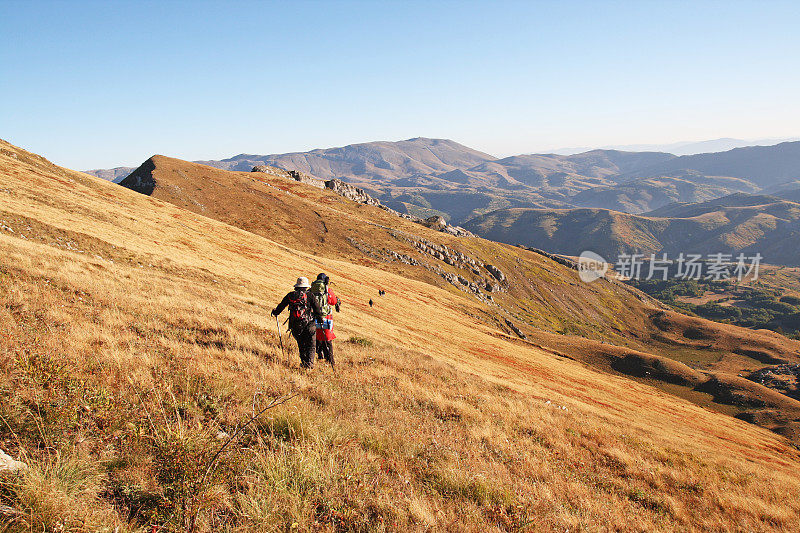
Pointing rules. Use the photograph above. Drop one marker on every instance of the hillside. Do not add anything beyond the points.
(557, 173)
(321, 222)
(527, 294)
(646, 194)
(738, 223)
(764, 166)
(769, 301)
(136, 332)
(111, 174)
(789, 191)
(632, 182)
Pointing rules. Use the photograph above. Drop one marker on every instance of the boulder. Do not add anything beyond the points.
(494, 271)
(10, 465)
(435, 223)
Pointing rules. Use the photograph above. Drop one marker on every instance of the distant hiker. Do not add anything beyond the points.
(327, 303)
(304, 312)
(370, 302)
(381, 292)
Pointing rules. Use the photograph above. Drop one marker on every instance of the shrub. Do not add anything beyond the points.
(780, 308)
(791, 300)
(455, 482)
(361, 341)
(181, 457)
(754, 317)
(719, 312)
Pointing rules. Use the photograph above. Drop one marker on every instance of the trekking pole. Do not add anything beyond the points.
(280, 336)
(288, 349)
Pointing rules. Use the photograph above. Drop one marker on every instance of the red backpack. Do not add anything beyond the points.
(299, 307)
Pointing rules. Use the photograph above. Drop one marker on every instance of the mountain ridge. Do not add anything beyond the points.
(437, 175)
(682, 147)
(738, 223)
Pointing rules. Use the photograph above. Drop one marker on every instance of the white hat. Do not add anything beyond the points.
(302, 283)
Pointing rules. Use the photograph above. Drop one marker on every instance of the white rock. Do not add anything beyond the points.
(9, 464)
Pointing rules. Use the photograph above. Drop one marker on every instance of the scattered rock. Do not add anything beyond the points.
(360, 196)
(783, 378)
(10, 465)
(557, 258)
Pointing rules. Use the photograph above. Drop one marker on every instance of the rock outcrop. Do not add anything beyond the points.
(515, 329)
(435, 222)
(291, 174)
(438, 223)
(351, 192)
(356, 194)
(141, 180)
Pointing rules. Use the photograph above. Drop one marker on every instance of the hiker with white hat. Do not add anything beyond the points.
(304, 313)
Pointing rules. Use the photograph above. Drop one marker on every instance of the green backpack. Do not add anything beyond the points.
(320, 292)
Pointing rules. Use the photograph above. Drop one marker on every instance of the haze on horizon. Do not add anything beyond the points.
(96, 84)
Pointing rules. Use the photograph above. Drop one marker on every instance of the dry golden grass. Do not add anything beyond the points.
(133, 332)
(541, 296)
(542, 293)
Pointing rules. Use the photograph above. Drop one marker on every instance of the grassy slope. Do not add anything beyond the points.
(134, 330)
(541, 295)
(325, 224)
(646, 194)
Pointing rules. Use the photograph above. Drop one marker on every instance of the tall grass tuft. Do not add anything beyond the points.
(59, 493)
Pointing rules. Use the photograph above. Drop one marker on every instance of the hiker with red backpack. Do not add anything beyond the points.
(304, 313)
(327, 302)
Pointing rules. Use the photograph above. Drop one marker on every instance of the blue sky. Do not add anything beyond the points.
(101, 84)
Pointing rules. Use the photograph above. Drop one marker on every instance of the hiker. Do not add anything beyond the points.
(370, 302)
(327, 303)
(304, 313)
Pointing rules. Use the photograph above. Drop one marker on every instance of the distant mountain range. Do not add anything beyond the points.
(680, 148)
(738, 223)
(632, 182)
(425, 177)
